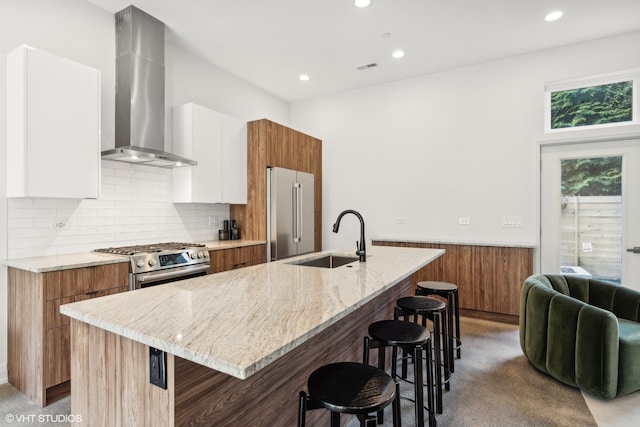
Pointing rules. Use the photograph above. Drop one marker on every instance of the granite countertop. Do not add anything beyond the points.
(43, 264)
(237, 322)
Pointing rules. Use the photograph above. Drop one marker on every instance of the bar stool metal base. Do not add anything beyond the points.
(434, 310)
(410, 337)
(449, 291)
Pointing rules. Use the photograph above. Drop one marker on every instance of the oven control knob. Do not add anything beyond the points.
(152, 262)
(200, 255)
(140, 263)
(194, 255)
(206, 254)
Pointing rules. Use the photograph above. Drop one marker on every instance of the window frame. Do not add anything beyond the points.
(604, 79)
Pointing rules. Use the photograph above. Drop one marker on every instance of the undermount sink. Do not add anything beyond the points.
(327, 261)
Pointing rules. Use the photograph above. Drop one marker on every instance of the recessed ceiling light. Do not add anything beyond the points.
(553, 16)
(398, 53)
(304, 77)
(362, 3)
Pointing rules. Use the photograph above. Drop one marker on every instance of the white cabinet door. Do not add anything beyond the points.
(53, 126)
(219, 144)
(234, 165)
(197, 135)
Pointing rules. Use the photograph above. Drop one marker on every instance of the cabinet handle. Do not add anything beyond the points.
(92, 294)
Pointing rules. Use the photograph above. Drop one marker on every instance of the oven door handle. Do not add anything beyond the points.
(161, 275)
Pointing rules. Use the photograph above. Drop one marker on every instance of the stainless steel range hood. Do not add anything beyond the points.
(140, 92)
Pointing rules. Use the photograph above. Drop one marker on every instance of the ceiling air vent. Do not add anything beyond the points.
(366, 66)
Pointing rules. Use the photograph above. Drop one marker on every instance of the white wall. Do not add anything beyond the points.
(439, 147)
(78, 30)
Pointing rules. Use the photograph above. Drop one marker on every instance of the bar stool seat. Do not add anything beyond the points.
(350, 388)
(450, 292)
(410, 337)
(434, 310)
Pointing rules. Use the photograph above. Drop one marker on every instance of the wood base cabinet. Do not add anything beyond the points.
(39, 336)
(488, 277)
(233, 258)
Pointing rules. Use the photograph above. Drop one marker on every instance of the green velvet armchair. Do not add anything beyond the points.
(583, 332)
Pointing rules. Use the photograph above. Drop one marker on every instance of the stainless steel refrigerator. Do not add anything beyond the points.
(290, 219)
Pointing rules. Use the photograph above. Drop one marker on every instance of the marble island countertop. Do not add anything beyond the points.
(237, 322)
(43, 264)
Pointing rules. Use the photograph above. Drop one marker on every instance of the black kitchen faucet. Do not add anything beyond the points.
(361, 251)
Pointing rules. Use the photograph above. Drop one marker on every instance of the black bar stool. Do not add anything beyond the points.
(410, 337)
(450, 292)
(350, 388)
(434, 310)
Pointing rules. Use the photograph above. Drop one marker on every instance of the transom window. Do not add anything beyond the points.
(602, 101)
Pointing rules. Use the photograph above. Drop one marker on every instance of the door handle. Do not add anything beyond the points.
(635, 250)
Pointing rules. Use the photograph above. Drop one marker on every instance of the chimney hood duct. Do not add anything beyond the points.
(140, 92)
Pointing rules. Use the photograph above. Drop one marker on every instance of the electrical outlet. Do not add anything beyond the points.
(60, 224)
(158, 367)
(401, 220)
(214, 221)
(512, 221)
(464, 221)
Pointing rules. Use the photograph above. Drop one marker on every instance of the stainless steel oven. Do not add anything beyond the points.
(155, 264)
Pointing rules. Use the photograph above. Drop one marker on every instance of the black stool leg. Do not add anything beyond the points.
(418, 384)
(397, 418)
(430, 399)
(438, 363)
(302, 409)
(335, 419)
(457, 309)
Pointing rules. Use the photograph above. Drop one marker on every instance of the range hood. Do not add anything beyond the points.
(140, 92)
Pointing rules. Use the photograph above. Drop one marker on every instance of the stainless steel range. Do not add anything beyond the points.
(160, 263)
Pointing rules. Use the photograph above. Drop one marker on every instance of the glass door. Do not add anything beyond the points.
(590, 205)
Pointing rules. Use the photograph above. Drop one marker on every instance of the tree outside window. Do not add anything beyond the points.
(594, 105)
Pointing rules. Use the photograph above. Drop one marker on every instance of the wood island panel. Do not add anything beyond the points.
(488, 277)
(272, 144)
(110, 375)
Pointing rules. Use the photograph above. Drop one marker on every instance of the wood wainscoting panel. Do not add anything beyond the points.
(489, 278)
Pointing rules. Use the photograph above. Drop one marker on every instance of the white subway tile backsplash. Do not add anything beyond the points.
(134, 208)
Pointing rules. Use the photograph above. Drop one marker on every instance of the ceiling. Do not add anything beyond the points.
(269, 43)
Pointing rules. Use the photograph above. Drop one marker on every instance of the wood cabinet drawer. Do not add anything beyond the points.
(79, 281)
(233, 258)
(55, 319)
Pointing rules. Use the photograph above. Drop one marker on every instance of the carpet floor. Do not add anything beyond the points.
(493, 385)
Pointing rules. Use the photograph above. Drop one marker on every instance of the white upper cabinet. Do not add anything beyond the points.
(234, 164)
(53, 126)
(218, 143)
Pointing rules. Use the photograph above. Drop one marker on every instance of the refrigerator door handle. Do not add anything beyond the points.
(296, 189)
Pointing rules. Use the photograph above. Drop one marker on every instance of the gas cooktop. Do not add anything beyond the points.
(150, 248)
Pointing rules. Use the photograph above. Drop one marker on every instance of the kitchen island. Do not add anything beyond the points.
(239, 344)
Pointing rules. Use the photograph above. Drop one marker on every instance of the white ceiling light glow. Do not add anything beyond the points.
(553, 16)
(398, 54)
(362, 3)
(304, 77)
